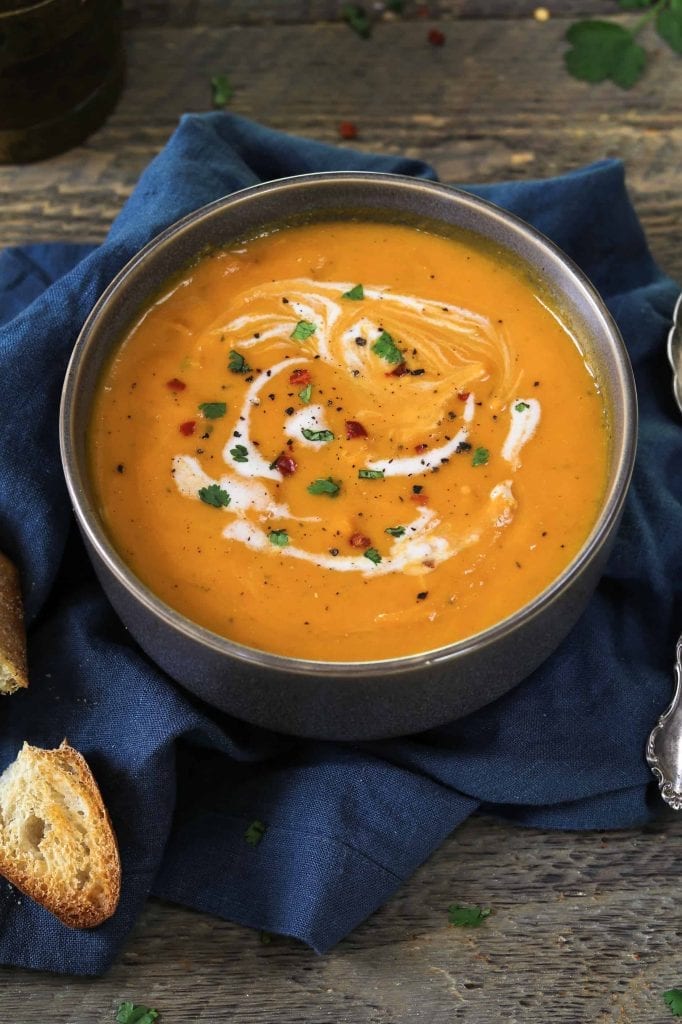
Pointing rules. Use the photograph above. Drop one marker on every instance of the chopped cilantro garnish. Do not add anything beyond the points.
(467, 917)
(673, 998)
(386, 348)
(358, 19)
(240, 453)
(521, 406)
(317, 435)
(303, 330)
(280, 538)
(480, 457)
(371, 474)
(328, 486)
(213, 410)
(373, 555)
(395, 531)
(214, 495)
(237, 363)
(129, 1013)
(356, 293)
(306, 394)
(222, 90)
(255, 833)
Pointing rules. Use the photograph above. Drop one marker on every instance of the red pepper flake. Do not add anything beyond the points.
(354, 429)
(348, 130)
(463, 395)
(436, 37)
(301, 377)
(423, 11)
(419, 448)
(358, 540)
(400, 371)
(175, 384)
(285, 464)
(419, 499)
(187, 428)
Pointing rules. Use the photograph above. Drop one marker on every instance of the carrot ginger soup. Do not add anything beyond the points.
(349, 441)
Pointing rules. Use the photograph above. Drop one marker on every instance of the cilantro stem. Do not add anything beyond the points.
(646, 18)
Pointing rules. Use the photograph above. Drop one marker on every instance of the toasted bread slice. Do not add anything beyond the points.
(56, 840)
(13, 674)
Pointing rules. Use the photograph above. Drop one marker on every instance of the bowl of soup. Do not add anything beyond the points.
(348, 451)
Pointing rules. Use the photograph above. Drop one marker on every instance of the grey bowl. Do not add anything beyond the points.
(339, 700)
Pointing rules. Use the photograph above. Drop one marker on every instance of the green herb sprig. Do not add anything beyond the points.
(603, 50)
(467, 917)
(129, 1013)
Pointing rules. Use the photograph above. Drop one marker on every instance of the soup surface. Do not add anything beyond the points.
(349, 441)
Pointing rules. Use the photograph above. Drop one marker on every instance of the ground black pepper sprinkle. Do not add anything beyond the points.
(422, 595)
(120, 468)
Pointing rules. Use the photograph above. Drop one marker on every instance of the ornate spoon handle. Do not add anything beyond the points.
(664, 749)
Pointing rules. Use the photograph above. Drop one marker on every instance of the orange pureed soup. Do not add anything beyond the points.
(349, 441)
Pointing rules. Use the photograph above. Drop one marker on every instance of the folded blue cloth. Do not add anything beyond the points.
(346, 824)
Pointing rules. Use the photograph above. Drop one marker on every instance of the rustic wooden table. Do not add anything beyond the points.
(584, 925)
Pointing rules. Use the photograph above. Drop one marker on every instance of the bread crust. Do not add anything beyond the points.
(13, 669)
(66, 771)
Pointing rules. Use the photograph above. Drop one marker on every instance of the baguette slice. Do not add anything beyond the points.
(56, 840)
(13, 672)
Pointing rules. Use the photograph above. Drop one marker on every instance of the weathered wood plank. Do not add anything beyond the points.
(471, 108)
(584, 928)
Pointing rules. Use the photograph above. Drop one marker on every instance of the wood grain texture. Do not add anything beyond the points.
(584, 929)
(585, 926)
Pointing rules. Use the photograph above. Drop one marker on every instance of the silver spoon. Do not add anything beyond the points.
(664, 748)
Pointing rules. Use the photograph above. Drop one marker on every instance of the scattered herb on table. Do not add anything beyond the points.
(317, 435)
(480, 457)
(395, 531)
(602, 50)
(673, 998)
(280, 538)
(356, 16)
(129, 1013)
(213, 410)
(214, 495)
(255, 832)
(355, 293)
(328, 486)
(221, 90)
(467, 917)
(371, 474)
(373, 555)
(303, 330)
(240, 453)
(306, 394)
(386, 348)
(236, 363)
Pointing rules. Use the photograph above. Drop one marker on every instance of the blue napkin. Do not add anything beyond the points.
(346, 824)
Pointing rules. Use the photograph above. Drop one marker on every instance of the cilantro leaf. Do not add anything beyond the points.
(467, 917)
(601, 50)
(237, 363)
(371, 474)
(521, 406)
(395, 531)
(356, 293)
(373, 555)
(213, 410)
(214, 495)
(673, 998)
(255, 832)
(303, 330)
(306, 394)
(240, 453)
(669, 25)
(317, 435)
(280, 538)
(222, 90)
(128, 1013)
(328, 486)
(359, 20)
(386, 348)
(480, 457)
